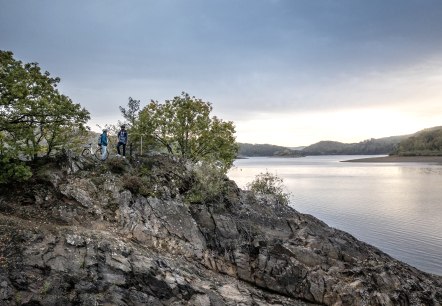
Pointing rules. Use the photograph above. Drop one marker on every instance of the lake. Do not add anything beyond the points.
(396, 207)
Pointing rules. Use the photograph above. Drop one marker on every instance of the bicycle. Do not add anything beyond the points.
(88, 152)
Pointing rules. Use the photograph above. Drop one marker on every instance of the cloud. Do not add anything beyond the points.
(248, 58)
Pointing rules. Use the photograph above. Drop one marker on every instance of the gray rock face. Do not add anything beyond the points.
(81, 238)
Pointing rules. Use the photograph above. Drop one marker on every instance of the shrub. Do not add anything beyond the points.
(13, 170)
(117, 165)
(133, 183)
(137, 185)
(208, 184)
(270, 184)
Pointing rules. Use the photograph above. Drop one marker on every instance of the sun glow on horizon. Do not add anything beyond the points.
(350, 126)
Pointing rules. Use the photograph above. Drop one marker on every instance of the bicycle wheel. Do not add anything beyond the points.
(98, 154)
(86, 152)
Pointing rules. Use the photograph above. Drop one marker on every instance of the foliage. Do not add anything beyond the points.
(137, 184)
(425, 142)
(117, 165)
(35, 119)
(130, 113)
(247, 149)
(133, 183)
(183, 127)
(208, 183)
(157, 175)
(268, 183)
(13, 170)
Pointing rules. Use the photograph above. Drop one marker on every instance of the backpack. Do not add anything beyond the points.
(99, 140)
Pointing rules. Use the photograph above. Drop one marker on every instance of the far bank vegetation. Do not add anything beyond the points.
(250, 150)
(427, 142)
(367, 147)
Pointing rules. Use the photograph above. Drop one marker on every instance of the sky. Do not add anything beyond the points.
(286, 72)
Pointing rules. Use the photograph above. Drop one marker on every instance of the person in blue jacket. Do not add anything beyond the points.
(103, 142)
(122, 140)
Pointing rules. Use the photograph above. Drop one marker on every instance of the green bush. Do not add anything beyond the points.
(269, 184)
(208, 183)
(12, 170)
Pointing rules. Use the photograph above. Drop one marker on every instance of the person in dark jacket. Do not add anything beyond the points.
(103, 142)
(122, 140)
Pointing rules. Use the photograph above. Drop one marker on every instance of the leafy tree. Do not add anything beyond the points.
(130, 113)
(35, 117)
(183, 126)
(268, 183)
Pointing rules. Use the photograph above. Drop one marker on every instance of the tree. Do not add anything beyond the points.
(183, 126)
(35, 117)
(131, 113)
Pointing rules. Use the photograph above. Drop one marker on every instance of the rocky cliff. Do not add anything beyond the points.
(81, 233)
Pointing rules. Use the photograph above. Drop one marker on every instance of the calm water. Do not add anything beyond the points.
(396, 207)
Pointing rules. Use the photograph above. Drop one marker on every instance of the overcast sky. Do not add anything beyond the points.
(287, 72)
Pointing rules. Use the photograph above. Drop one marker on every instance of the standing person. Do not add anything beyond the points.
(103, 142)
(122, 140)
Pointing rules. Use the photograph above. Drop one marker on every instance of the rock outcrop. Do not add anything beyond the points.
(83, 237)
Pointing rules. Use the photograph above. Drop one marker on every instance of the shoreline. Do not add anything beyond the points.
(398, 159)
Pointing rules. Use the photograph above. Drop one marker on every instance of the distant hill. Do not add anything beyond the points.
(372, 146)
(427, 142)
(297, 148)
(250, 150)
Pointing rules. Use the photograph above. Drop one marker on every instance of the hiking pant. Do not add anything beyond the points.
(103, 152)
(124, 148)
